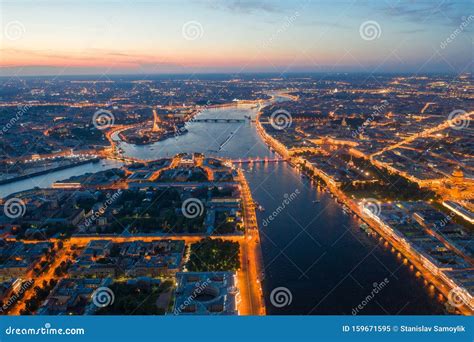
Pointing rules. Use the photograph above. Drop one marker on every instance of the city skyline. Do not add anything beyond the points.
(237, 187)
(238, 158)
(124, 37)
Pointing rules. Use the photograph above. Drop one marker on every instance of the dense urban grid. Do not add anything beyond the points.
(180, 235)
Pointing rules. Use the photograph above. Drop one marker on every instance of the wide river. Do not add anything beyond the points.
(311, 247)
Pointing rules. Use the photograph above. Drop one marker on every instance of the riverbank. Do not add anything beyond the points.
(442, 284)
(45, 172)
(312, 248)
(47, 180)
(252, 259)
(251, 295)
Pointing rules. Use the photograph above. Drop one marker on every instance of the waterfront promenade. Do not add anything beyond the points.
(442, 284)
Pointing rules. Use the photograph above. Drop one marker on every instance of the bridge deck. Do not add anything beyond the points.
(219, 120)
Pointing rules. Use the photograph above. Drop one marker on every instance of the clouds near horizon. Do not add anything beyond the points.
(131, 36)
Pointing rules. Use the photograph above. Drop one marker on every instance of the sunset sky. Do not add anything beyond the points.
(131, 36)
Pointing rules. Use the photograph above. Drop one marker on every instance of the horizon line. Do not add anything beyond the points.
(210, 73)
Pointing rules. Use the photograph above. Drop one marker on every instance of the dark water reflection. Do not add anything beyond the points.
(311, 247)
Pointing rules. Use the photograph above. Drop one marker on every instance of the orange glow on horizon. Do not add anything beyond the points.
(124, 60)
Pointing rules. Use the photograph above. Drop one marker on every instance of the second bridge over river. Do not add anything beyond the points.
(219, 120)
(257, 160)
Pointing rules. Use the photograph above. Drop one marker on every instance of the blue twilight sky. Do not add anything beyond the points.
(132, 36)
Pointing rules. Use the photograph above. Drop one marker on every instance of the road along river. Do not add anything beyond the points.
(316, 258)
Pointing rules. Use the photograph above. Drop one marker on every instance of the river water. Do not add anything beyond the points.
(47, 180)
(312, 248)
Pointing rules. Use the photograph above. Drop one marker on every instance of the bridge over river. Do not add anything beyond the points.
(219, 120)
(257, 160)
